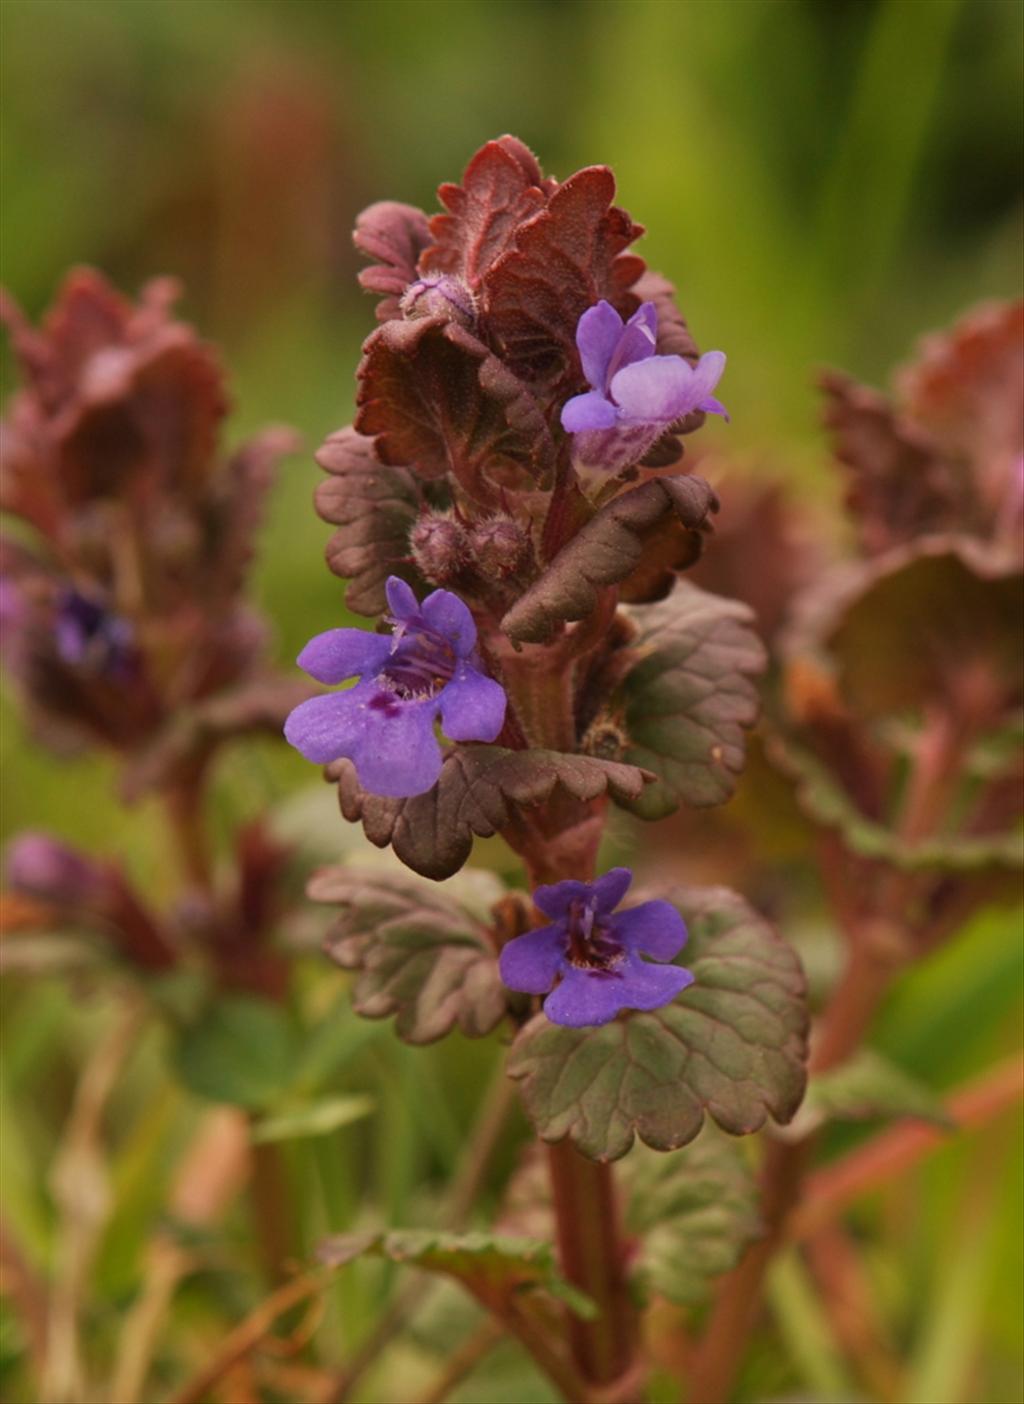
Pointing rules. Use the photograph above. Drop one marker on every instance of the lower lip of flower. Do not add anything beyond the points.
(592, 946)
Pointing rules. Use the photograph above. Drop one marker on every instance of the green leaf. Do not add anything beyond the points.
(420, 957)
(478, 792)
(612, 545)
(689, 698)
(694, 1212)
(492, 1268)
(240, 1051)
(733, 1044)
(865, 1087)
(316, 1119)
(822, 798)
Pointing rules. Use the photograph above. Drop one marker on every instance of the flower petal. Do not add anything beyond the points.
(390, 742)
(597, 335)
(343, 653)
(586, 998)
(402, 601)
(590, 411)
(708, 372)
(655, 928)
(531, 962)
(655, 391)
(448, 616)
(472, 706)
(637, 342)
(554, 899)
(611, 887)
(710, 405)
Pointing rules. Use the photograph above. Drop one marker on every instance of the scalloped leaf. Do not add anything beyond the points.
(420, 957)
(612, 546)
(694, 1213)
(565, 259)
(394, 235)
(936, 622)
(436, 398)
(823, 798)
(478, 792)
(733, 1044)
(898, 484)
(374, 506)
(689, 698)
(500, 190)
(864, 1088)
(494, 1269)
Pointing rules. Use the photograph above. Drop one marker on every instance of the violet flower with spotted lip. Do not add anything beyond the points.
(595, 954)
(427, 670)
(635, 394)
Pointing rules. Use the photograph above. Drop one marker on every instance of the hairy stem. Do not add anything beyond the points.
(590, 1249)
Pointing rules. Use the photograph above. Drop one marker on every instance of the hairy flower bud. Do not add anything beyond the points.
(440, 547)
(45, 868)
(499, 546)
(439, 295)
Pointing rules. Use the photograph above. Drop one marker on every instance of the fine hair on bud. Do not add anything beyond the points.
(439, 295)
(439, 546)
(499, 545)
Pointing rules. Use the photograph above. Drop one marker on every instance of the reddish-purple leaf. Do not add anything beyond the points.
(374, 506)
(609, 549)
(394, 235)
(565, 259)
(501, 188)
(440, 402)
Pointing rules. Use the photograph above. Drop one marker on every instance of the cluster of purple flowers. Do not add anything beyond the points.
(428, 671)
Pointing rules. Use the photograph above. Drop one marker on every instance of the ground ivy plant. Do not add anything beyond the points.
(512, 517)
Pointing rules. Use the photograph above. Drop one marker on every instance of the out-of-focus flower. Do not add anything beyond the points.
(43, 867)
(90, 636)
(635, 394)
(595, 954)
(427, 670)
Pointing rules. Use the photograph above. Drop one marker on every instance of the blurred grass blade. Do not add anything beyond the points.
(806, 1331)
(317, 1119)
(869, 186)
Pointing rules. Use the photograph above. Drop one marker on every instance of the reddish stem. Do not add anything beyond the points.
(590, 1249)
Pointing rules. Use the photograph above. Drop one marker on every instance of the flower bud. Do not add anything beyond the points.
(499, 546)
(439, 546)
(42, 867)
(438, 295)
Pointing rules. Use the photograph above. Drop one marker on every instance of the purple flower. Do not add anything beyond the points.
(44, 867)
(635, 394)
(596, 956)
(426, 670)
(91, 637)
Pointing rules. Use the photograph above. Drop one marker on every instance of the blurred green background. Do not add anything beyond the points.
(824, 180)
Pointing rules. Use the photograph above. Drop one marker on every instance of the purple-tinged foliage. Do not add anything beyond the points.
(595, 954)
(635, 395)
(426, 671)
(127, 606)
